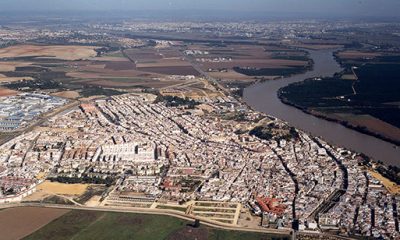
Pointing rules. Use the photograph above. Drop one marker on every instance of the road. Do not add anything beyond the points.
(164, 212)
(214, 81)
(8, 136)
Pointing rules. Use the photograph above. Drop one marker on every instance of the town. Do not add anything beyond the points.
(152, 152)
(199, 124)
(18, 111)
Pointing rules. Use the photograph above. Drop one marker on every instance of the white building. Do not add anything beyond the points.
(126, 152)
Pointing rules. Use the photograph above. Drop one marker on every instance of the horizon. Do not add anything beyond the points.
(349, 9)
(186, 15)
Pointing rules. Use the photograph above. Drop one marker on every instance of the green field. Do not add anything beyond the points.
(375, 93)
(109, 225)
(114, 54)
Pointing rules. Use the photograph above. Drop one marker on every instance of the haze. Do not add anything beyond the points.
(348, 8)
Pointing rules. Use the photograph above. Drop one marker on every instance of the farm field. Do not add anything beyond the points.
(160, 61)
(77, 71)
(368, 103)
(248, 62)
(48, 51)
(16, 223)
(371, 123)
(196, 89)
(109, 225)
(354, 54)
(132, 68)
(9, 66)
(13, 79)
(67, 94)
(4, 92)
(69, 69)
(317, 46)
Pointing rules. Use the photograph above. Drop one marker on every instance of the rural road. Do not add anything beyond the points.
(149, 211)
(165, 212)
(195, 65)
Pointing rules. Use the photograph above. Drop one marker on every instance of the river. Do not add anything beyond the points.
(263, 97)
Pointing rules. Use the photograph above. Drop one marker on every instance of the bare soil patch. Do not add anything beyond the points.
(4, 92)
(120, 65)
(373, 124)
(108, 59)
(392, 187)
(67, 94)
(163, 63)
(93, 201)
(62, 188)
(257, 63)
(14, 79)
(60, 52)
(11, 66)
(358, 54)
(172, 70)
(318, 46)
(143, 54)
(16, 223)
(132, 83)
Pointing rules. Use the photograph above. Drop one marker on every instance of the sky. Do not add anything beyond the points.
(355, 8)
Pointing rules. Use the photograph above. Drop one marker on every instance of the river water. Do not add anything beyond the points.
(263, 97)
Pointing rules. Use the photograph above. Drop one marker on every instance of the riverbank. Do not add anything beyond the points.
(238, 87)
(263, 97)
(346, 124)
